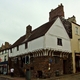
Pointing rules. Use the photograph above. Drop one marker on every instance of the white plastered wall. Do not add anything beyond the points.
(57, 30)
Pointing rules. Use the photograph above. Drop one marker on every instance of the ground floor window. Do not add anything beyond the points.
(56, 59)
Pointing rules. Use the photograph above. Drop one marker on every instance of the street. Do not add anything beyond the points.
(4, 78)
(65, 77)
(68, 77)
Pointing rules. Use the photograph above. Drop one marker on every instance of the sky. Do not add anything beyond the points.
(15, 15)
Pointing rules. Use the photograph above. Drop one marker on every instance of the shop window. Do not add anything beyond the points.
(27, 59)
(16, 60)
(21, 62)
(23, 59)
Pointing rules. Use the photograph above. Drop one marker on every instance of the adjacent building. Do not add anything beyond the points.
(75, 44)
(4, 54)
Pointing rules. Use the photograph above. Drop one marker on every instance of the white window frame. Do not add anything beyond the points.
(76, 30)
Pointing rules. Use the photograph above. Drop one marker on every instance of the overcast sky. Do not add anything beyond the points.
(15, 15)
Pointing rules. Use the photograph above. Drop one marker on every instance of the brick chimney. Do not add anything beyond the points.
(56, 12)
(28, 30)
(7, 45)
(2, 47)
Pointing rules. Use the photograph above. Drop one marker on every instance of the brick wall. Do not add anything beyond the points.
(56, 12)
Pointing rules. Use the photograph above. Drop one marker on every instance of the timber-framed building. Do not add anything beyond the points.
(45, 51)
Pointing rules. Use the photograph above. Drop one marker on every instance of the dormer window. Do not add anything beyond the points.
(59, 41)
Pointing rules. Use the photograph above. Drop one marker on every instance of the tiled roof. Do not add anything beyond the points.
(67, 26)
(38, 32)
(76, 24)
(19, 41)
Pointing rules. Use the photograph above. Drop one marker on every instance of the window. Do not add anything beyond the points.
(56, 59)
(76, 30)
(21, 62)
(27, 59)
(6, 51)
(23, 59)
(59, 41)
(11, 50)
(17, 48)
(16, 60)
(4, 58)
(25, 45)
(2, 52)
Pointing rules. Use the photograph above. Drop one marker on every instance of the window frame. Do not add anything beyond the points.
(56, 59)
(18, 48)
(11, 50)
(5, 58)
(25, 45)
(27, 60)
(76, 30)
(59, 41)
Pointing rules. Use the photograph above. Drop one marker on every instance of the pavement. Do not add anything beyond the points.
(75, 76)
(12, 78)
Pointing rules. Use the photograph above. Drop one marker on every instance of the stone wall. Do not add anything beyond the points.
(46, 65)
(42, 66)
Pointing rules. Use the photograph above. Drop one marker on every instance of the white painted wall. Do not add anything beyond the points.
(32, 45)
(47, 41)
(36, 44)
(57, 31)
(3, 54)
(21, 51)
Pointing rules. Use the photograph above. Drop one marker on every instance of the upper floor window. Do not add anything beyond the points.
(4, 58)
(25, 45)
(17, 48)
(76, 30)
(59, 41)
(11, 50)
(6, 51)
(2, 52)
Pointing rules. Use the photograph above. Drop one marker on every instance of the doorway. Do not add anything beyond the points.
(39, 74)
(64, 66)
(77, 63)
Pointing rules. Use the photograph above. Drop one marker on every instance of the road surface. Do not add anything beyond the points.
(4, 78)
